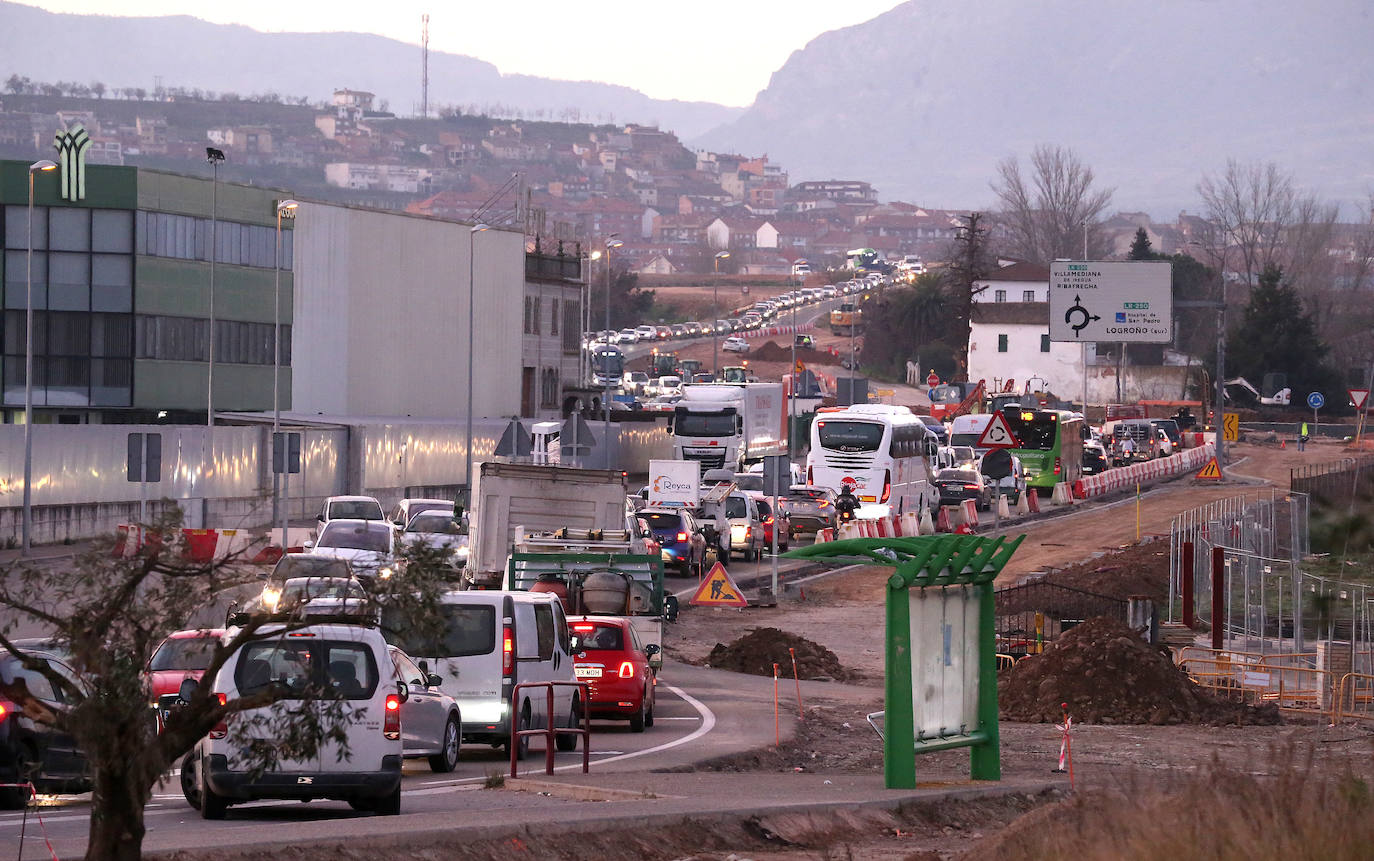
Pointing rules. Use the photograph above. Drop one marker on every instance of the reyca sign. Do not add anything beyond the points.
(675, 483)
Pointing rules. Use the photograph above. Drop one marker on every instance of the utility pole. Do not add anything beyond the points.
(424, 66)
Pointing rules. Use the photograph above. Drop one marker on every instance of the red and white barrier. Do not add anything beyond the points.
(969, 511)
(1128, 476)
(825, 535)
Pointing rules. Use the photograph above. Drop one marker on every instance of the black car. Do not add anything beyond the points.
(809, 508)
(1094, 460)
(31, 752)
(957, 485)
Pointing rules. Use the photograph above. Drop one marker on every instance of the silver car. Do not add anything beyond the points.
(431, 725)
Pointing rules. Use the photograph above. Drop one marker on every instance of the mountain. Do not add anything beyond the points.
(924, 100)
(191, 53)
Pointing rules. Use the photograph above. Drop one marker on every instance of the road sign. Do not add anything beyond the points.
(884, 393)
(718, 590)
(675, 482)
(575, 437)
(1123, 301)
(1358, 397)
(1211, 471)
(286, 452)
(1230, 427)
(997, 463)
(777, 474)
(1316, 400)
(998, 434)
(516, 441)
(145, 457)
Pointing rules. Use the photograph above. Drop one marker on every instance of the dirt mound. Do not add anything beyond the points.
(771, 351)
(1141, 569)
(1108, 674)
(757, 651)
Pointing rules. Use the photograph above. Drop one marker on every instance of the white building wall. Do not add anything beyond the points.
(1061, 367)
(1015, 290)
(381, 315)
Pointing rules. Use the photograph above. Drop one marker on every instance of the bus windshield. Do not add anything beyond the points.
(850, 436)
(1035, 430)
(609, 363)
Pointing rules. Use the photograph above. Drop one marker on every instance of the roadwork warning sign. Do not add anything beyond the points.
(718, 590)
(1211, 471)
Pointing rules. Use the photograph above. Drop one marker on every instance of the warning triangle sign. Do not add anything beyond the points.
(1358, 397)
(998, 434)
(1212, 470)
(718, 590)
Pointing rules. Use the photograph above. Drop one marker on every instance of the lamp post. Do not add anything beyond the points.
(214, 156)
(284, 208)
(472, 301)
(42, 165)
(715, 315)
(611, 242)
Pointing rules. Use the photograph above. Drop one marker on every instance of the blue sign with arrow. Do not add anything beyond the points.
(1316, 401)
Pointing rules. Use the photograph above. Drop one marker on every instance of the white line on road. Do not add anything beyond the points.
(691, 717)
(708, 723)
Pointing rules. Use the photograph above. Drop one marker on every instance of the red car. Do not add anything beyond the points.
(183, 655)
(765, 504)
(609, 656)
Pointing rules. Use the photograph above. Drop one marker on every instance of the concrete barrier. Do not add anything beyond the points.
(969, 511)
(927, 523)
(1023, 502)
(1061, 495)
(1003, 510)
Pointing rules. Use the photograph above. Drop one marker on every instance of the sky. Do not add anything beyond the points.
(711, 50)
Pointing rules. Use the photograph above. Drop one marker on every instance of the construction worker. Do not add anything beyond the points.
(1302, 437)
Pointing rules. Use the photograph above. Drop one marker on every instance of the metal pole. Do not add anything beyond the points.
(278, 510)
(472, 301)
(792, 449)
(1220, 406)
(606, 392)
(214, 252)
(715, 316)
(28, 386)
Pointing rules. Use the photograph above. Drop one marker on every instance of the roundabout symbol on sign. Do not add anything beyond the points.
(1084, 318)
(1316, 401)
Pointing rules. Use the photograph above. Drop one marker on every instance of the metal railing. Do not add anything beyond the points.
(1034, 614)
(1285, 681)
(1337, 481)
(550, 731)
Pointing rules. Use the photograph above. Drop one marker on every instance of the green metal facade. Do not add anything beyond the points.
(164, 364)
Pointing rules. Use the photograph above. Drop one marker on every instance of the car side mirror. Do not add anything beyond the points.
(433, 680)
(651, 649)
(307, 544)
(403, 691)
(319, 518)
(424, 666)
(187, 690)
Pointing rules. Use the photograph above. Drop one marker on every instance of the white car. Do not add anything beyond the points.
(368, 546)
(668, 387)
(635, 382)
(735, 344)
(442, 531)
(627, 336)
(349, 508)
(646, 333)
(351, 662)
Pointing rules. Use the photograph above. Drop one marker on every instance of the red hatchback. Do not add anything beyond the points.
(183, 655)
(611, 659)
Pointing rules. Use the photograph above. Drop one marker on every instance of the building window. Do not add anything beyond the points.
(553, 317)
(1027, 295)
(184, 339)
(184, 237)
(572, 327)
(1001, 343)
(548, 388)
(1045, 343)
(999, 295)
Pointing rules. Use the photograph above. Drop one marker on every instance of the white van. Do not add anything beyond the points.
(349, 660)
(968, 428)
(492, 641)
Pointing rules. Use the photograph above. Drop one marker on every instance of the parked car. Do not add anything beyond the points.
(809, 508)
(350, 508)
(431, 724)
(735, 344)
(350, 663)
(680, 540)
(33, 752)
(368, 546)
(613, 662)
(956, 485)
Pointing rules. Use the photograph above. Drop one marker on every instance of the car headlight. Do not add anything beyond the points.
(385, 572)
(271, 597)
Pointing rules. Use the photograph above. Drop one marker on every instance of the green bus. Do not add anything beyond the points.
(1051, 447)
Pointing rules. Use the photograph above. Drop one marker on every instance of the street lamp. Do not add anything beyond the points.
(611, 242)
(584, 368)
(42, 165)
(285, 208)
(715, 314)
(214, 156)
(472, 301)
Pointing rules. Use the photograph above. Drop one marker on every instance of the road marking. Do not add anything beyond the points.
(708, 723)
(692, 717)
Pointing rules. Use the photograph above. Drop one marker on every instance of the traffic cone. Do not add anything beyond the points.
(1283, 443)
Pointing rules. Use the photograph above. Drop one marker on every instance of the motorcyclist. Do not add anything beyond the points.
(846, 504)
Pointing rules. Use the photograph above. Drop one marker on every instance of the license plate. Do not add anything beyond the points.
(587, 672)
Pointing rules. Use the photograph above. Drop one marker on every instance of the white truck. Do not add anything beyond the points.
(514, 498)
(729, 425)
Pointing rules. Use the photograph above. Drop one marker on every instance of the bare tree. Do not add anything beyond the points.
(1250, 208)
(1046, 213)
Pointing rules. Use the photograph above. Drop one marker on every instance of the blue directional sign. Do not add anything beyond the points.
(1316, 401)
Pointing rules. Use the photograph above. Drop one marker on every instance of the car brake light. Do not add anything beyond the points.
(4, 711)
(1058, 465)
(768, 519)
(748, 530)
(682, 536)
(823, 503)
(971, 487)
(584, 627)
(810, 478)
(507, 651)
(391, 724)
(222, 728)
(887, 485)
(627, 670)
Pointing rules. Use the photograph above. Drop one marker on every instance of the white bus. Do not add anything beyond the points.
(884, 453)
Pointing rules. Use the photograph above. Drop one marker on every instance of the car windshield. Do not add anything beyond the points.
(321, 587)
(735, 506)
(184, 653)
(442, 524)
(749, 481)
(357, 536)
(303, 565)
(600, 638)
(704, 424)
(355, 509)
(468, 629)
(967, 475)
(663, 521)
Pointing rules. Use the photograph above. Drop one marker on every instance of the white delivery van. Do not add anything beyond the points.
(347, 661)
(967, 429)
(493, 640)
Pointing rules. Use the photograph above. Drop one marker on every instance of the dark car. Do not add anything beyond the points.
(31, 752)
(937, 427)
(681, 540)
(956, 485)
(809, 508)
(1094, 459)
(780, 520)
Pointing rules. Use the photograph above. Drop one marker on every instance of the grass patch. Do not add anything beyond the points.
(495, 780)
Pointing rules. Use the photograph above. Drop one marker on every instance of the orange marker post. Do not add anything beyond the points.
(777, 730)
(801, 713)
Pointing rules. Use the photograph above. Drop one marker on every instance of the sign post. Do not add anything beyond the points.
(777, 469)
(144, 465)
(1316, 401)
